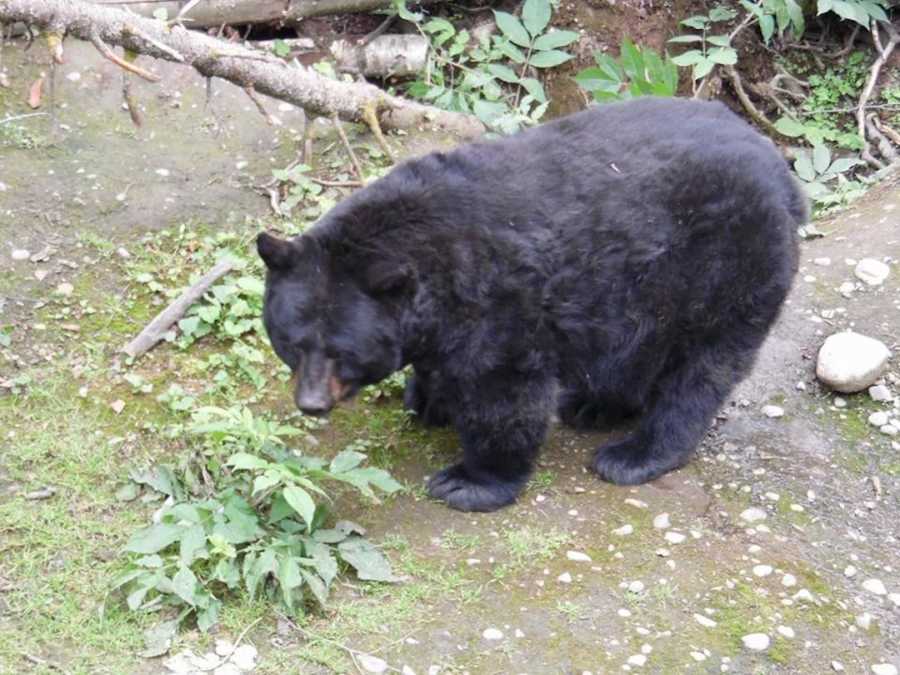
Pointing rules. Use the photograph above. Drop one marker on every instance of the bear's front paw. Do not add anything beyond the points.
(454, 486)
(630, 462)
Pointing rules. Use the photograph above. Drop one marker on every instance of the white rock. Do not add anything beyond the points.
(889, 430)
(637, 660)
(849, 571)
(788, 580)
(773, 411)
(636, 587)
(661, 522)
(698, 656)
(704, 621)
(846, 289)
(564, 578)
(864, 620)
(874, 586)
(840, 402)
(878, 419)
(880, 393)
(884, 669)
(674, 537)
(762, 570)
(753, 514)
(636, 503)
(623, 531)
(492, 634)
(837, 666)
(227, 669)
(20, 254)
(65, 288)
(756, 641)
(871, 271)
(371, 664)
(244, 657)
(578, 556)
(804, 595)
(786, 631)
(406, 670)
(895, 598)
(850, 362)
(822, 262)
(224, 647)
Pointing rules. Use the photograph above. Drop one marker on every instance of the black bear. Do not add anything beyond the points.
(625, 261)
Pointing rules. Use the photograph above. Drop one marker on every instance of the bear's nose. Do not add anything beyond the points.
(312, 402)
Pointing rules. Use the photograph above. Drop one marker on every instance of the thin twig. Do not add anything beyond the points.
(15, 118)
(309, 635)
(108, 53)
(340, 129)
(883, 55)
(338, 183)
(251, 92)
(133, 110)
(166, 49)
(234, 647)
(370, 115)
(751, 109)
(378, 32)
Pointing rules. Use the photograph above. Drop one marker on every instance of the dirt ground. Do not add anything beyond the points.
(779, 528)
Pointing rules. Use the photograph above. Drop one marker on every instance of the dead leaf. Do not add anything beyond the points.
(35, 92)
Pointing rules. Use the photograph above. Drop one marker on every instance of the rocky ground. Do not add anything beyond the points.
(775, 551)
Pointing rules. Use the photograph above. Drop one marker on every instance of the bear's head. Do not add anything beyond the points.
(331, 317)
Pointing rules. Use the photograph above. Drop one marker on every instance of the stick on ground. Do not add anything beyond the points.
(163, 321)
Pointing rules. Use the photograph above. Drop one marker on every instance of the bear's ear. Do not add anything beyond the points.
(385, 277)
(278, 254)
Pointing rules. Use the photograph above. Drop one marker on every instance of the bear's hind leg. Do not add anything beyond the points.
(423, 398)
(588, 412)
(686, 397)
(501, 427)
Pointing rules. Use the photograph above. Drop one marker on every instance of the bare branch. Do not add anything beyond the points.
(295, 84)
(884, 53)
(108, 53)
(357, 169)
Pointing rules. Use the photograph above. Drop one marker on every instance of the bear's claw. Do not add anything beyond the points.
(454, 486)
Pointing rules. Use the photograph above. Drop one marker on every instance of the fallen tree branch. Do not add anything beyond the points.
(213, 57)
(755, 114)
(357, 169)
(162, 322)
(213, 13)
(884, 53)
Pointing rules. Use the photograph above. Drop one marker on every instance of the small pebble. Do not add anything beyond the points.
(65, 288)
(578, 556)
(786, 631)
(849, 571)
(822, 262)
(874, 586)
(20, 254)
(623, 531)
(762, 570)
(704, 621)
(880, 393)
(662, 522)
(837, 666)
(788, 580)
(884, 669)
(637, 660)
(564, 578)
(878, 419)
(674, 537)
(636, 587)
(872, 272)
(244, 657)
(864, 620)
(753, 514)
(492, 634)
(773, 411)
(756, 641)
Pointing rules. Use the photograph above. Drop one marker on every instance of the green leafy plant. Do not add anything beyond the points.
(712, 49)
(783, 14)
(262, 529)
(862, 12)
(817, 170)
(637, 72)
(493, 80)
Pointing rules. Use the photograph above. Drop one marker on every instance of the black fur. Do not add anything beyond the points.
(624, 261)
